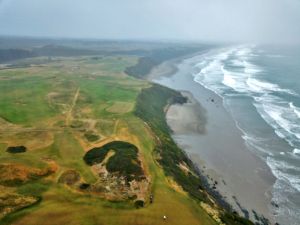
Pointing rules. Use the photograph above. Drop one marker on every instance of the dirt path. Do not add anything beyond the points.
(69, 115)
(116, 127)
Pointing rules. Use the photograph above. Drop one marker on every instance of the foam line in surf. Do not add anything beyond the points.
(281, 118)
(282, 171)
(296, 151)
(295, 109)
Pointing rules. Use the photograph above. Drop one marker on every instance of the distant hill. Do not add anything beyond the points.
(14, 54)
(150, 53)
(7, 55)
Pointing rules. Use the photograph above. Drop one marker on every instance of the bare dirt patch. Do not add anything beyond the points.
(69, 177)
(16, 174)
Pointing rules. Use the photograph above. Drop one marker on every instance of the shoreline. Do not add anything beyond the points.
(169, 67)
(196, 124)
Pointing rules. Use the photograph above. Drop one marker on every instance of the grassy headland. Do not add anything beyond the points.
(151, 105)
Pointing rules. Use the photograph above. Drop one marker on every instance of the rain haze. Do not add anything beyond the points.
(269, 21)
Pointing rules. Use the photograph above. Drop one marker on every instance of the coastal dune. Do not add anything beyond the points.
(209, 135)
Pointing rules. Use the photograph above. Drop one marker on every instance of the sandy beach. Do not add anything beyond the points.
(209, 135)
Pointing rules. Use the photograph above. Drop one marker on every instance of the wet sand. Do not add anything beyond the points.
(207, 132)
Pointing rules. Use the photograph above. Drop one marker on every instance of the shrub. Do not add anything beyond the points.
(124, 161)
(139, 204)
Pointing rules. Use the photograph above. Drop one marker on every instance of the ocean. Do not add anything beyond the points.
(260, 88)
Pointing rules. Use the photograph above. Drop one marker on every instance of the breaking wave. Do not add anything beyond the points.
(232, 72)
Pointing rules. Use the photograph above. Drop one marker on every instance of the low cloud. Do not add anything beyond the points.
(205, 20)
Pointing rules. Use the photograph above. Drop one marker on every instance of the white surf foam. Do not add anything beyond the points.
(254, 143)
(295, 109)
(216, 75)
(212, 67)
(250, 68)
(228, 79)
(296, 151)
(237, 63)
(279, 134)
(211, 74)
(246, 81)
(282, 170)
(243, 51)
(235, 80)
(259, 86)
(280, 116)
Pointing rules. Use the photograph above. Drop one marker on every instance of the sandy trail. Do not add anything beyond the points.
(69, 114)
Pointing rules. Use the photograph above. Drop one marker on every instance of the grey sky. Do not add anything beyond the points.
(215, 20)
